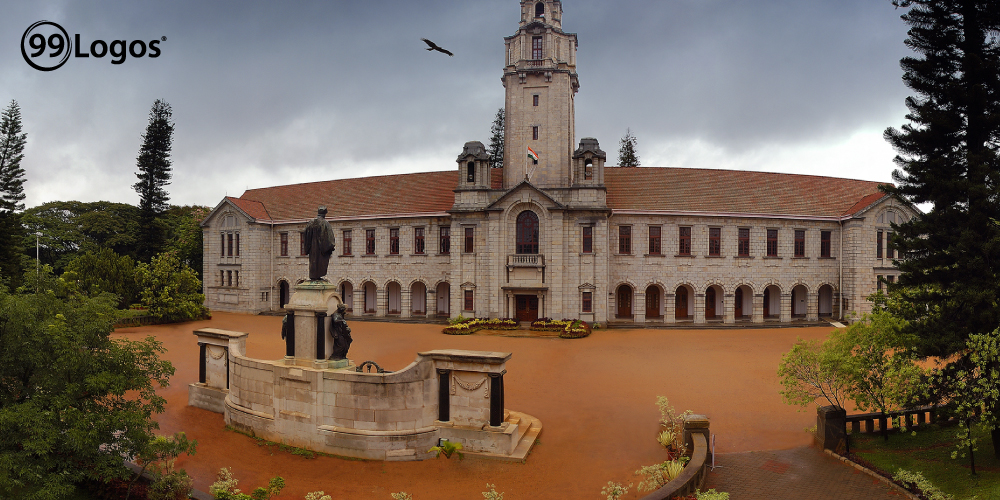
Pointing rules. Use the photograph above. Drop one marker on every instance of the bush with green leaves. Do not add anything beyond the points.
(224, 488)
(615, 491)
(447, 448)
(103, 270)
(170, 290)
(916, 479)
(159, 457)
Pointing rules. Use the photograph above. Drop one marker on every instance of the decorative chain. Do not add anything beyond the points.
(212, 352)
(469, 386)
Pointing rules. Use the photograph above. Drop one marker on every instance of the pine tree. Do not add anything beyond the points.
(627, 156)
(497, 140)
(12, 141)
(948, 158)
(154, 173)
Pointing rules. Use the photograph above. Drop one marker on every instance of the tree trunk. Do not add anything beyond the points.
(995, 434)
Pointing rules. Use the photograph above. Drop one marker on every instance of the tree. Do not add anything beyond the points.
(497, 140)
(171, 290)
(12, 141)
(185, 236)
(948, 157)
(154, 173)
(627, 156)
(73, 400)
(104, 271)
(70, 228)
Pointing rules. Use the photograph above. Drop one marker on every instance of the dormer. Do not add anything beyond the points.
(474, 166)
(588, 163)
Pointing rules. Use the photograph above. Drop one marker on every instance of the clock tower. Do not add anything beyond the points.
(540, 81)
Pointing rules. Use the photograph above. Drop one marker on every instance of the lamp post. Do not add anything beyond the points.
(38, 254)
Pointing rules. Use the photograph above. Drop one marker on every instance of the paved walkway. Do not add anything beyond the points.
(804, 473)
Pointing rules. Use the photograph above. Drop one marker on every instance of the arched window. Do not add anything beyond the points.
(527, 232)
(539, 9)
(471, 172)
(588, 169)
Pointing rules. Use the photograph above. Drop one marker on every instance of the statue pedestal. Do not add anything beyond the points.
(313, 302)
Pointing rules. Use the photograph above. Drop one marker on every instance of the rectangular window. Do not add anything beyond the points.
(222, 253)
(237, 244)
(229, 240)
(469, 300)
(302, 243)
(229, 278)
(824, 243)
(654, 240)
(878, 245)
(625, 239)
(878, 282)
(236, 278)
(588, 302)
(743, 249)
(800, 243)
(891, 278)
(470, 239)
(588, 239)
(418, 240)
(222, 278)
(772, 242)
(715, 241)
(534, 132)
(890, 250)
(347, 242)
(394, 241)
(284, 244)
(445, 240)
(684, 241)
(536, 47)
(369, 242)
(534, 100)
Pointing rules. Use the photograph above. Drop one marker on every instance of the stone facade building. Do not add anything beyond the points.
(556, 233)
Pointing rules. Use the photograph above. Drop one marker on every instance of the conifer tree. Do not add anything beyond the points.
(12, 141)
(154, 173)
(948, 157)
(497, 140)
(627, 156)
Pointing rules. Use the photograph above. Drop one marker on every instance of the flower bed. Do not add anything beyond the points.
(575, 330)
(474, 325)
(567, 328)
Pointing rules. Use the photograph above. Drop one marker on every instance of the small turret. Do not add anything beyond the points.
(588, 163)
(474, 166)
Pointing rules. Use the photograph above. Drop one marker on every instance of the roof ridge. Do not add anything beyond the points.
(760, 172)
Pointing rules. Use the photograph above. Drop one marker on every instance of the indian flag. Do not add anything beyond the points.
(532, 154)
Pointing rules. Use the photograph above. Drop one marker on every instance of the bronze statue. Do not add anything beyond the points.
(320, 244)
(288, 333)
(341, 333)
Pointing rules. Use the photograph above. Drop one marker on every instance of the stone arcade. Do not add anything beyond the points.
(556, 233)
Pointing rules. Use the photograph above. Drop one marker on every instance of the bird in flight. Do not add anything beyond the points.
(433, 46)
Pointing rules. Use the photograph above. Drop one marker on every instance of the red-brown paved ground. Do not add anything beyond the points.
(594, 396)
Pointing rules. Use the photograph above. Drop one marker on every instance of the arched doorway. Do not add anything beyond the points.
(743, 302)
(395, 297)
(444, 299)
(772, 301)
(369, 298)
(799, 304)
(683, 303)
(653, 302)
(713, 302)
(283, 293)
(825, 300)
(624, 300)
(347, 295)
(418, 299)
(527, 233)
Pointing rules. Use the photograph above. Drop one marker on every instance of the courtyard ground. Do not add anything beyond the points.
(594, 396)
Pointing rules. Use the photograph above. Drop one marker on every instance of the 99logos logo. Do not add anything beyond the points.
(46, 46)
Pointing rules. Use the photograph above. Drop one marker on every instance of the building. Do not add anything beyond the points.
(557, 233)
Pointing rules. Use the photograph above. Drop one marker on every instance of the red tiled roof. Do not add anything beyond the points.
(363, 196)
(734, 191)
(629, 189)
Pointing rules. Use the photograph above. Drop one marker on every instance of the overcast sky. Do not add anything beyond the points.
(268, 93)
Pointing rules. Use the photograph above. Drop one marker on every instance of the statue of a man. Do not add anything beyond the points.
(320, 244)
(341, 333)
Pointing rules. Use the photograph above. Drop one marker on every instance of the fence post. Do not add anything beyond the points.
(831, 427)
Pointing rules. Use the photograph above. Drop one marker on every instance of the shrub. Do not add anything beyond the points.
(472, 325)
(615, 491)
(918, 481)
(575, 330)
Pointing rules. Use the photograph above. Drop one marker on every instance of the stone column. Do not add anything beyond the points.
(699, 308)
(639, 308)
(831, 427)
(785, 306)
(812, 306)
(758, 308)
(405, 302)
(729, 306)
(381, 301)
(670, 308)
(430, 306)
(496, 398)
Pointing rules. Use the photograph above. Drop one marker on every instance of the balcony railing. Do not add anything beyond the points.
(526, 260)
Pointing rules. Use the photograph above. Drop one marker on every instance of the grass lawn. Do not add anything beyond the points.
(929, 452)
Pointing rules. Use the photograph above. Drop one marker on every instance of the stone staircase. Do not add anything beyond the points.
(528, 429)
